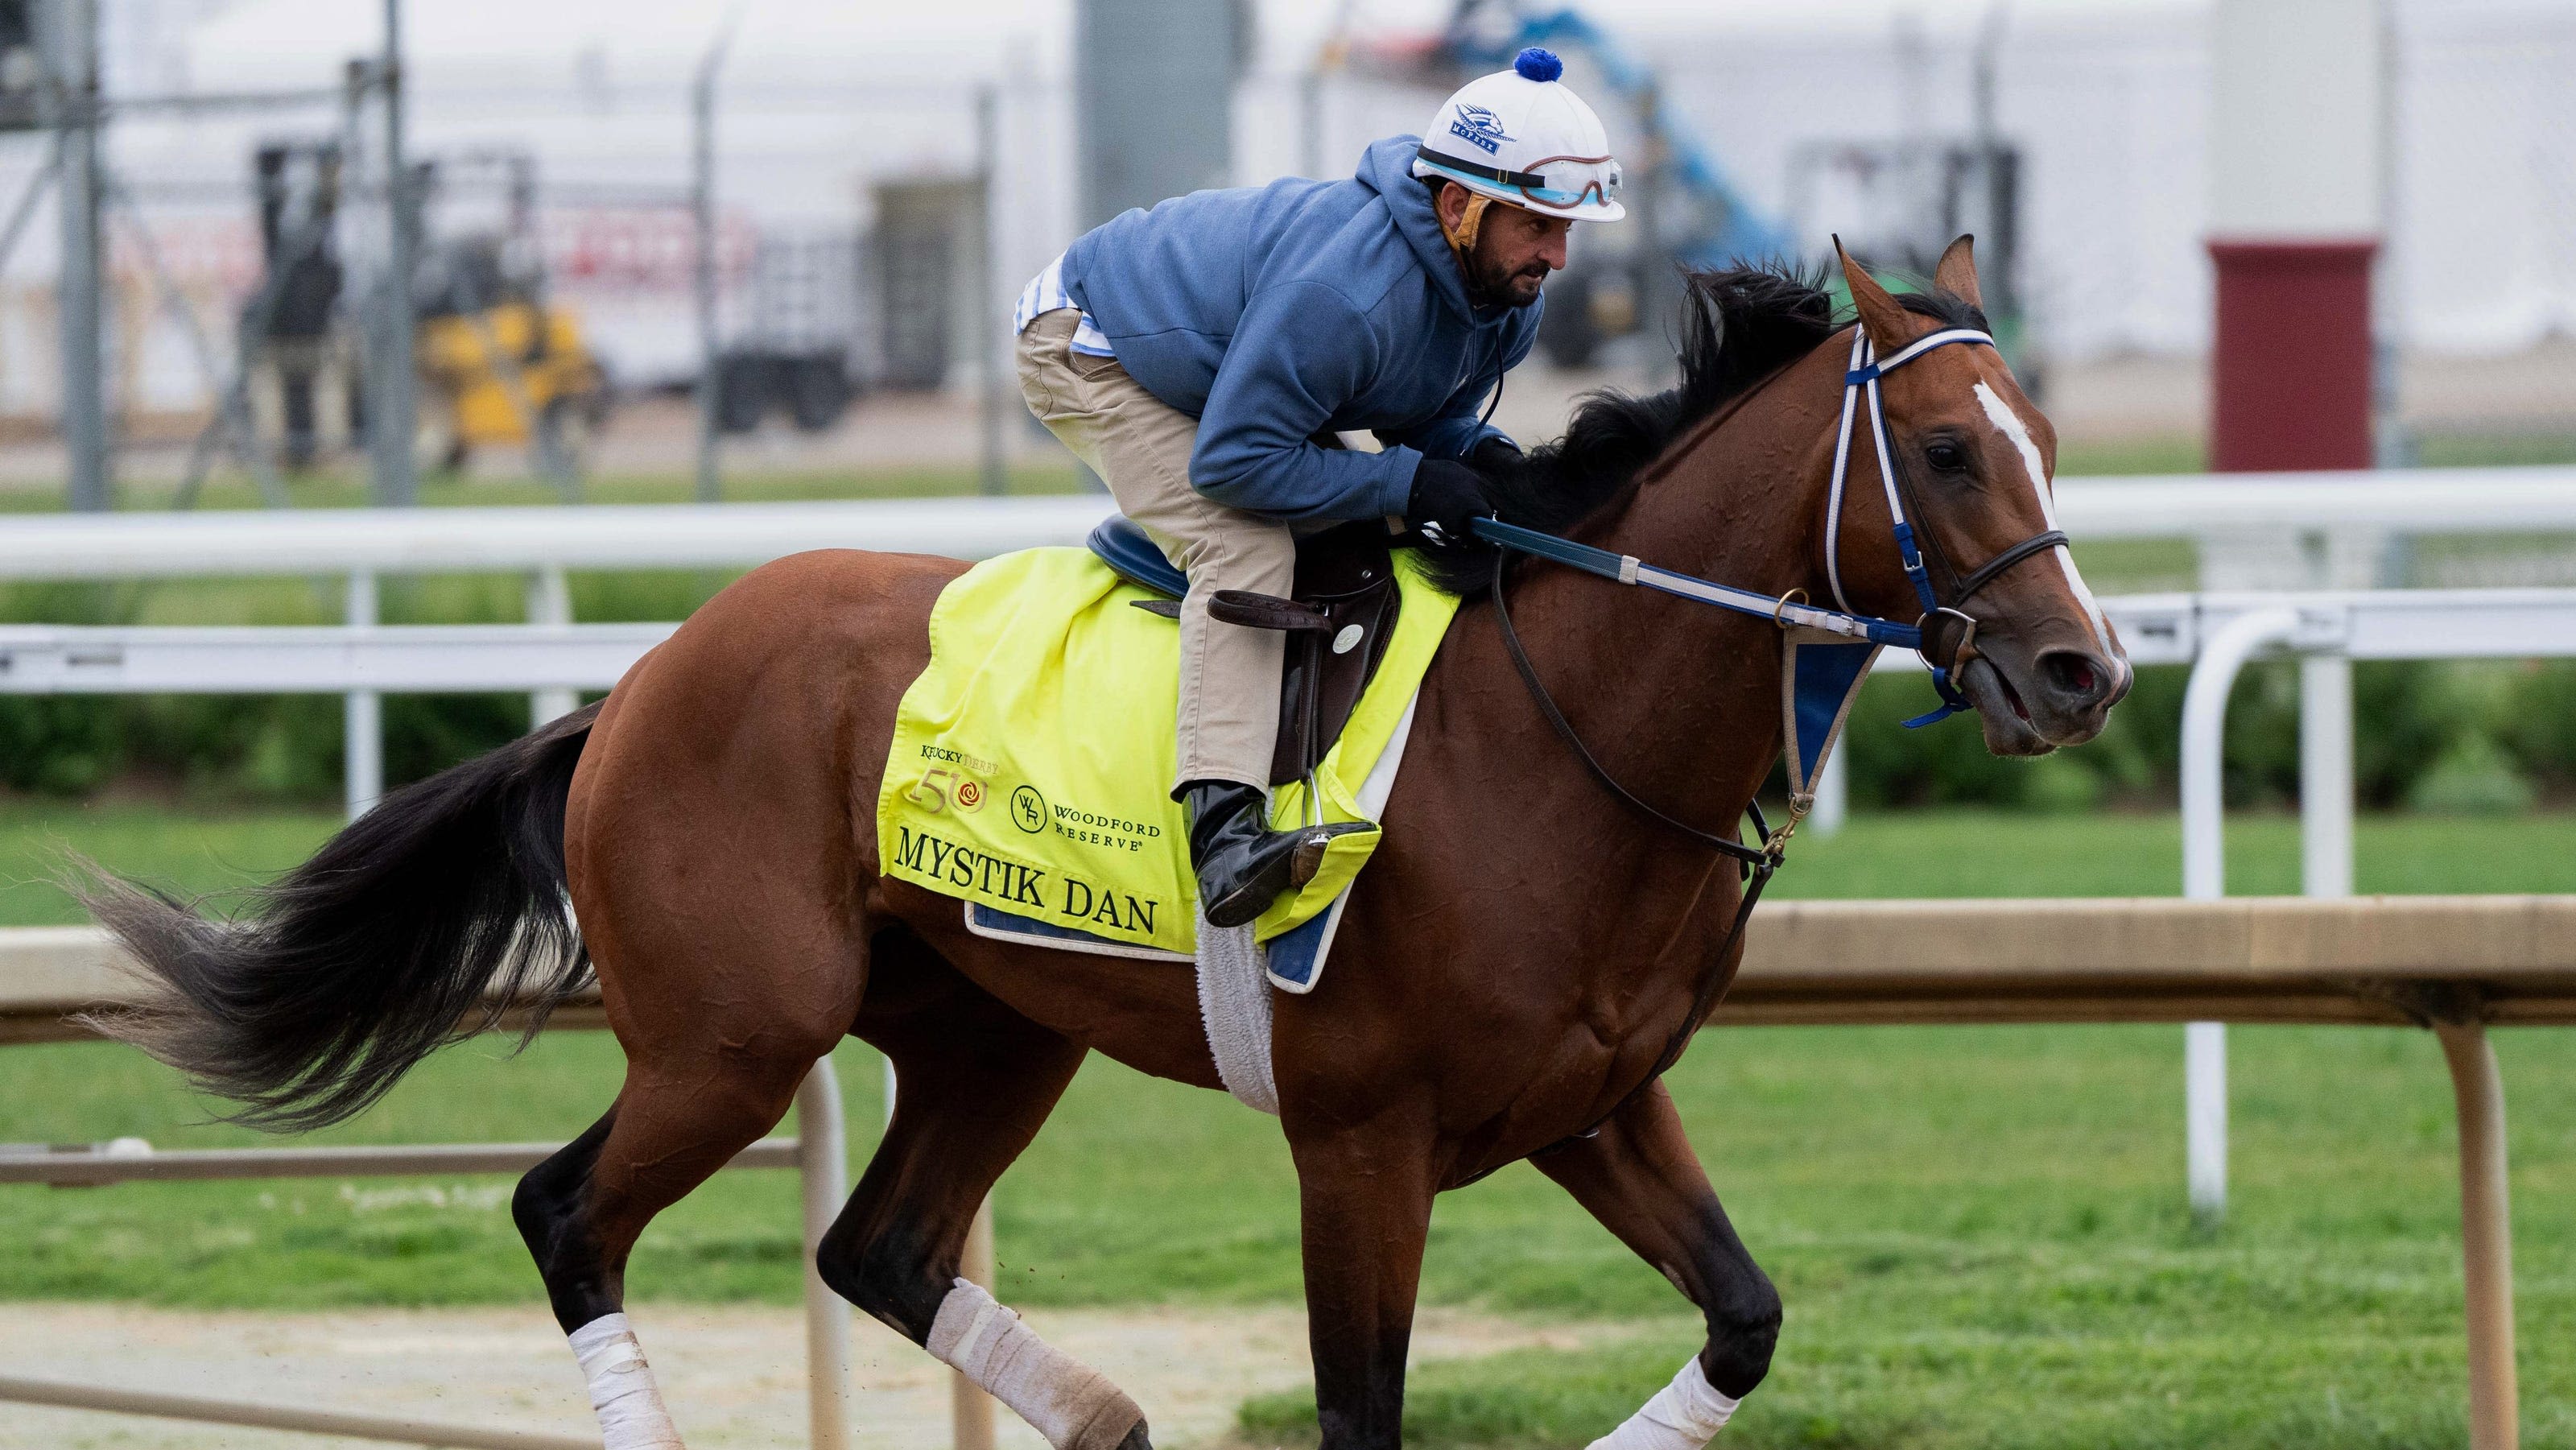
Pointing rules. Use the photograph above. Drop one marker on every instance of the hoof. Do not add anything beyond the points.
(1137, 1439)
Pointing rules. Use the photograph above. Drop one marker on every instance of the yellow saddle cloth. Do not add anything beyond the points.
(1031, 770)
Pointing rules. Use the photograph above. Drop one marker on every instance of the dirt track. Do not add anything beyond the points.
(734, 1377)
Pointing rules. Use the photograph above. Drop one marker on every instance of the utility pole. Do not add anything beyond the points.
(71, 40)
(703, 211)
(391, 419)
(985, 323)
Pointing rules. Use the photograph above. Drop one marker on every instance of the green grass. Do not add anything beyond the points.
(1979, 1231)
(1995, 853)
(2495, 448)
(2161, 453)
(189, 853)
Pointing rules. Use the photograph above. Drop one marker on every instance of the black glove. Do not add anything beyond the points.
(1494, 455)
(1445, 496)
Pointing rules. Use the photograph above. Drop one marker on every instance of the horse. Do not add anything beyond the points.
(1514, 961)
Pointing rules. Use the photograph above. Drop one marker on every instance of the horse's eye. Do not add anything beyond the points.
(1946, 456)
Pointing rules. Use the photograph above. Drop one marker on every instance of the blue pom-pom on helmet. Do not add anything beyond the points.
(1538, 64)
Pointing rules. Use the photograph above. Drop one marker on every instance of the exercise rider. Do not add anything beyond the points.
(1200, 356)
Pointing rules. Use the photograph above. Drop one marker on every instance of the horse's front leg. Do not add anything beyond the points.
(1365, 1193)
(1639, 1177)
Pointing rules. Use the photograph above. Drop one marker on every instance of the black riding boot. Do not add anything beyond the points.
(1242, 864)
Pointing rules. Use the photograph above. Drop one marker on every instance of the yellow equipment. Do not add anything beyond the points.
(504, 374)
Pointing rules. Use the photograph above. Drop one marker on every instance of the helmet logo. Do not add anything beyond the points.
(1479, 127)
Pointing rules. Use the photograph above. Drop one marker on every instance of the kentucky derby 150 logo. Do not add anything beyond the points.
(1479, 127)
(937, 790)
(954, 784)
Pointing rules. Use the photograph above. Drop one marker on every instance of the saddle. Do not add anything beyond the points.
(1338, 624)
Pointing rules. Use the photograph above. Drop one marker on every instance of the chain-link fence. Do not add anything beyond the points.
(850, 203)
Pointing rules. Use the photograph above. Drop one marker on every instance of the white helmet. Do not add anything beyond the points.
(1522, 137)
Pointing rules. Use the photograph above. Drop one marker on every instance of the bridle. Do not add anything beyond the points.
(1791, 613)
(1860, 387)
(1860, 382)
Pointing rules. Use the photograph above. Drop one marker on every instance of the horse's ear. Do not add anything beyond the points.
(1888, 324)
(1957, 272)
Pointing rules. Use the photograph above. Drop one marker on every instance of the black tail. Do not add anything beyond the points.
(423, 920)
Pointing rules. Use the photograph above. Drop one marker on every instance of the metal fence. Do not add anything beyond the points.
(818, 1153)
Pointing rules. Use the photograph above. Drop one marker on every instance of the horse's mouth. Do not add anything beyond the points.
(2012, 696)
(2001, 710)
(2033, 706)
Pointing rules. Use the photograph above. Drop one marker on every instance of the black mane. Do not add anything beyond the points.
(1739, 326)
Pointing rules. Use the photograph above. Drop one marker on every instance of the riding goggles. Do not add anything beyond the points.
(1561, 182)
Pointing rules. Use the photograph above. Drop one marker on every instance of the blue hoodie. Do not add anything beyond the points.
(1270, 313)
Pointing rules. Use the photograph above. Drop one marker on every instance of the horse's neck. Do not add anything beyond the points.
(1682, 699)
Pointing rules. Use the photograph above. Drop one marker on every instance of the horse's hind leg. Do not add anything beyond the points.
(1639, 1177)
(722, 1011)
(711, 845)
(681, 1116)
(974, 1080)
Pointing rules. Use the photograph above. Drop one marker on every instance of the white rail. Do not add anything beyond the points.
(318, 659)
(2406, 501)
(683, 536)
(524, 540)
(2327, 631)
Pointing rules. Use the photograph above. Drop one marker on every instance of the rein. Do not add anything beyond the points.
(1788, 612)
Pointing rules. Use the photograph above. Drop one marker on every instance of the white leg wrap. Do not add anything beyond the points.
(1064, 1399)
(1683, 1415)
(631, 1416)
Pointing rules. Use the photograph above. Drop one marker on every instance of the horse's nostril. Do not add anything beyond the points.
(2077, 676)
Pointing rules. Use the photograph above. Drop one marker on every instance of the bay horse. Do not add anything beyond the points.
(1513, 960)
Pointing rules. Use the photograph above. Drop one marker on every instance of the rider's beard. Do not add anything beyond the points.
(1490, 285)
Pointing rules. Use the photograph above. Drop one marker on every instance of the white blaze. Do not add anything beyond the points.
(2009, 423)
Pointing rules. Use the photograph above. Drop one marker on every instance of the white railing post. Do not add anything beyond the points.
(822, 1156)
(362, 714)
(2204, 1096)
(1833, 795)
(2325, 775)
(550, 602)
(2204, 878)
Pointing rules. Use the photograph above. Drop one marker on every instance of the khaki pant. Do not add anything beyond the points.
(1229, 723)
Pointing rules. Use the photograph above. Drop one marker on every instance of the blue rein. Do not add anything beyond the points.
(1628, 569)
